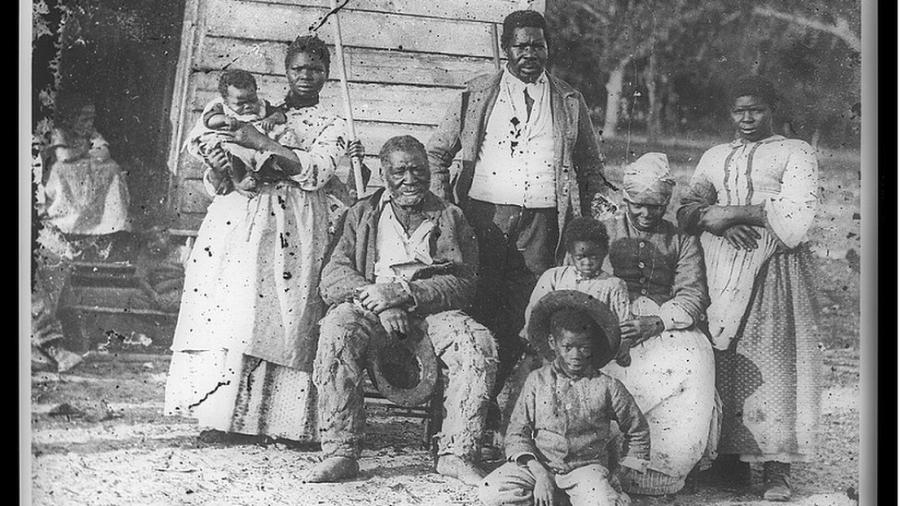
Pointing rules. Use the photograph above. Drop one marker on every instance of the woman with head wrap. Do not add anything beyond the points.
(751, 202)
(671, 374)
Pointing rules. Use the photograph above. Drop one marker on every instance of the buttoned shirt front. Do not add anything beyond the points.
(515, 161)
(564, 421)
(663, 265)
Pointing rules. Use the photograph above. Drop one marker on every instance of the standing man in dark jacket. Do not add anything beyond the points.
(530, 162)
(383, 237)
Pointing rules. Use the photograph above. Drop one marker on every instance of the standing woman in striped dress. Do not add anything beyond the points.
(752, 201)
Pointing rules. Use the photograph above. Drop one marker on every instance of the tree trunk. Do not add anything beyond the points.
(669, 116)
(613, 96)
(757, 63)
(653, 102)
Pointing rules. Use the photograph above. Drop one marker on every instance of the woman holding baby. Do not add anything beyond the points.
(246, 333)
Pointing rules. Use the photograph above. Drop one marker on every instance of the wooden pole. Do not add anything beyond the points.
(356, 162)
(495, 46)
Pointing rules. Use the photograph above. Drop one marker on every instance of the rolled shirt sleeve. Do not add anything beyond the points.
(790, 213)
(319, 162)
(690, 297)
(443, 146)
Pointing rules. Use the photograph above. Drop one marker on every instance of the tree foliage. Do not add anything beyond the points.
(809, 48)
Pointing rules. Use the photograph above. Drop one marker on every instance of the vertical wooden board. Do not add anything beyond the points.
(250, 20)
(363, 65)
(194, 198)
(191, 38)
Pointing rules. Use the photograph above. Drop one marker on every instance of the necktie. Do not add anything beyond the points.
(528, 103)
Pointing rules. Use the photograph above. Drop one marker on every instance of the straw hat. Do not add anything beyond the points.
(539, 324)
(404, 369)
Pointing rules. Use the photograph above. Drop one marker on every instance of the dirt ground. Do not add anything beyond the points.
(99, 436)
(113, 446)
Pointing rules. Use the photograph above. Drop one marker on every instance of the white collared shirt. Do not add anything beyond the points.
(515, 160)
(394, 246)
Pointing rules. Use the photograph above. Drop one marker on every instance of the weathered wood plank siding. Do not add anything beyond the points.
(405, 61)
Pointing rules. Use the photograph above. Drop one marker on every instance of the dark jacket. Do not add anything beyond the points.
(665, 265)
(453, 248)
(576, 150)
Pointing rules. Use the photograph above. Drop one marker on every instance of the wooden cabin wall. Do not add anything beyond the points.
(405, 61)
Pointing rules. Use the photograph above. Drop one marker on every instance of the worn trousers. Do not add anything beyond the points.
(466, 347)
(513, 484)
(515, 246)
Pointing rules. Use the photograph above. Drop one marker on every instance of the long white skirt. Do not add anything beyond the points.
(672, 379)
(245, 338)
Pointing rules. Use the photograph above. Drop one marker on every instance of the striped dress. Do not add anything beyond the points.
(762, 315)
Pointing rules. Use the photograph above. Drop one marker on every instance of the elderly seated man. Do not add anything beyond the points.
(374, 299)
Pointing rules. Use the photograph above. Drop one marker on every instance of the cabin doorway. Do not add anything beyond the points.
(123, 54)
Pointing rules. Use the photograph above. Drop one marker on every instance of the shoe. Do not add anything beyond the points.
(779, 491)
(727, 470)
(776, 476)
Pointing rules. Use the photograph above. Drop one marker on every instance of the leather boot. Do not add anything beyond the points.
(777, 480)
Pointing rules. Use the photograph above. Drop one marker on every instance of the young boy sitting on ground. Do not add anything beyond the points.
(236, 105)
(559, 440)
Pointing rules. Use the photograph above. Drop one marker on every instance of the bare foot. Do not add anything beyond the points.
(333, 469)
(463, 470)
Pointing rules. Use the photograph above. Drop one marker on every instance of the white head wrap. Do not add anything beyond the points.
(647, 180)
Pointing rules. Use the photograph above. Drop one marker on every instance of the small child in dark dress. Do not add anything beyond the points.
(560, 440)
